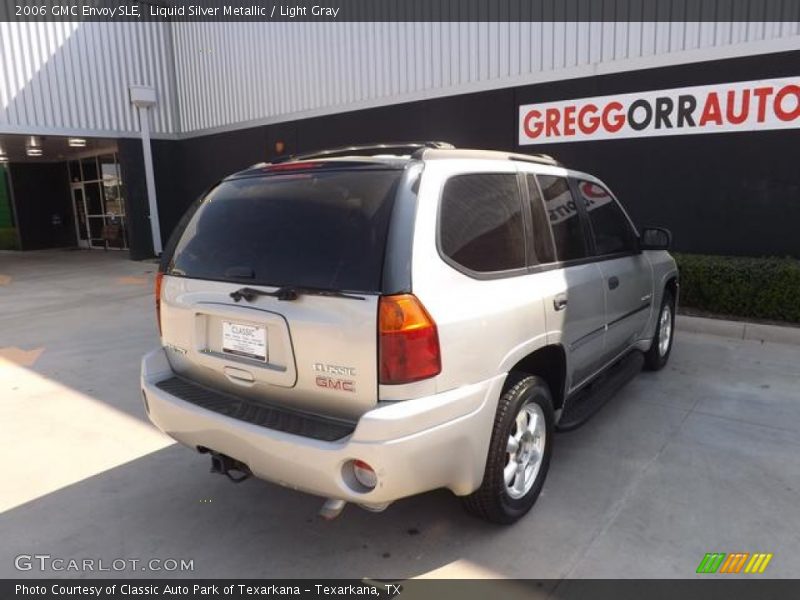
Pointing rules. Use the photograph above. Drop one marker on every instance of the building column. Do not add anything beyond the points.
(143, 98)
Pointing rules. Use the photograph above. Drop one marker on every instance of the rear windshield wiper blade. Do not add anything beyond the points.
(288, 293)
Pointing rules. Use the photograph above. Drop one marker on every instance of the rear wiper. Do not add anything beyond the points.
(288, 293)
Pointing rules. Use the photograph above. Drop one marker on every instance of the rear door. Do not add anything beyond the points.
(313, 232)
(627, 274)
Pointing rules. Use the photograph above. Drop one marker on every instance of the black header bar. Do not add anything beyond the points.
(706, 587)
(401, 10)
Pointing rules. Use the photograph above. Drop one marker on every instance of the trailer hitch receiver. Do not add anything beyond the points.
(233, 469)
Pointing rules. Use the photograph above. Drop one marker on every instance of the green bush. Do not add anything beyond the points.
(8, 238)
(760, 288)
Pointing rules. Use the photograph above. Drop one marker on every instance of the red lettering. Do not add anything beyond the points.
(761, 94)
(552, 117)
(569, 120)
(711, 111)
(782, 114)
(536, 129)
(335, 384)
(613, 123)
(743, 113)
(588, 123)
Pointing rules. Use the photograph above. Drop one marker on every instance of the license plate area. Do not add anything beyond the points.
(245, 340)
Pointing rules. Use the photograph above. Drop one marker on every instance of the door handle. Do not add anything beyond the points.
(560, 302)
(613, 283)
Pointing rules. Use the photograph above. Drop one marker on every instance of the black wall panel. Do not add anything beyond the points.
(728, 193)
(208, 159)
(43, 204)
(137, 209)
(724, 193)
(170, 183)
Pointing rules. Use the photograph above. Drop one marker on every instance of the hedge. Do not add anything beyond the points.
(8, 238)
(758, 288)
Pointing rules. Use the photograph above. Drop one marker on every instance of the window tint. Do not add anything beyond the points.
(564, 220)
(542, 239)
(324, 230)
(611, 229)
(481, 224)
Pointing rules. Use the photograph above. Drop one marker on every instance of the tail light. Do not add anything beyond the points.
(157, 290)
(408, 340)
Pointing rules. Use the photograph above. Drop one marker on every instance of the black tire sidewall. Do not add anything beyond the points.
(654, 359)
(534, 390)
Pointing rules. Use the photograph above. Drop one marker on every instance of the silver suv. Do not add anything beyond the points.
(374, 322)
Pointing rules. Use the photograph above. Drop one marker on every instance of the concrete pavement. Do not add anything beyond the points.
(703, 456)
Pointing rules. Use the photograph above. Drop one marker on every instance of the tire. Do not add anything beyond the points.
(658, 354)
(495, 500)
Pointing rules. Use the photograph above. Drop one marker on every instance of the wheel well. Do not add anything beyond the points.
(672, 286)
(549, 363)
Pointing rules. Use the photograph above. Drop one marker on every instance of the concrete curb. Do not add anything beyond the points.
(739, 330)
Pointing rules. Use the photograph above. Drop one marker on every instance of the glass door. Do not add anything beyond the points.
(79, 213)
(113, 201)
(95, 215)
(101, 205)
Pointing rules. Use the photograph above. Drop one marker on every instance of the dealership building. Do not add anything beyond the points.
(109, 131)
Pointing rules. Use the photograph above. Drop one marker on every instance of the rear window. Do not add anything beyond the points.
(324, 230)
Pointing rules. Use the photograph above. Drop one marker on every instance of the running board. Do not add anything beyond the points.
(589, 400)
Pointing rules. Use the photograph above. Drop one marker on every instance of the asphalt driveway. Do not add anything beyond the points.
(703, 456)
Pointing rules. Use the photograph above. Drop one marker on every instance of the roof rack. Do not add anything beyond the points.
(365, 150)
(537, 158)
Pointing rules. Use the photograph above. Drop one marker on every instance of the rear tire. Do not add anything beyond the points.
(660, 349)
(519, 452)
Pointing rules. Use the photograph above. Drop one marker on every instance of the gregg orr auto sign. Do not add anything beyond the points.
(741, 106)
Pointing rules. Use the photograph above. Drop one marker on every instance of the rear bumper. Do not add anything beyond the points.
(414, 445)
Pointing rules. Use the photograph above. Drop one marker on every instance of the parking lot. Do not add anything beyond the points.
(703, 456)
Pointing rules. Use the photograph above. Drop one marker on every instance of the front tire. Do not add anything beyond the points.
(519, 452)
(660, 349)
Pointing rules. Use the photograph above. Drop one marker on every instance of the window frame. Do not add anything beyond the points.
(588, 239)
(589, 228)
(536, 264)
(526, 228)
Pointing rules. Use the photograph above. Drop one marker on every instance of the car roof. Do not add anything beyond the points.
(396, 156)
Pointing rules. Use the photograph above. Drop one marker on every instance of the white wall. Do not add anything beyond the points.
(74, 77)
(256, 72)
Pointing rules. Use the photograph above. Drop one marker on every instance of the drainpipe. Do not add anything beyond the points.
(143, 97)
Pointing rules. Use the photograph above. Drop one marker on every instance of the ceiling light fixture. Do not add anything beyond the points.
(77, 142)
(33, 151)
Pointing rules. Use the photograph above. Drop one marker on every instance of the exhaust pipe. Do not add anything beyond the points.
(233, 469)
(332, 509)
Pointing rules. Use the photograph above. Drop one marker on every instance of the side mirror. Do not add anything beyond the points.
(655, 238)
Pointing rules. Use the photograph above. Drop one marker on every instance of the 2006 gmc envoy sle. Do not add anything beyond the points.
(373, 322)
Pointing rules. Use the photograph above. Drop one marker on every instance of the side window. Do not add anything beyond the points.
(564, 220)
(481, 226)
(542, 240)
(612, 230)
